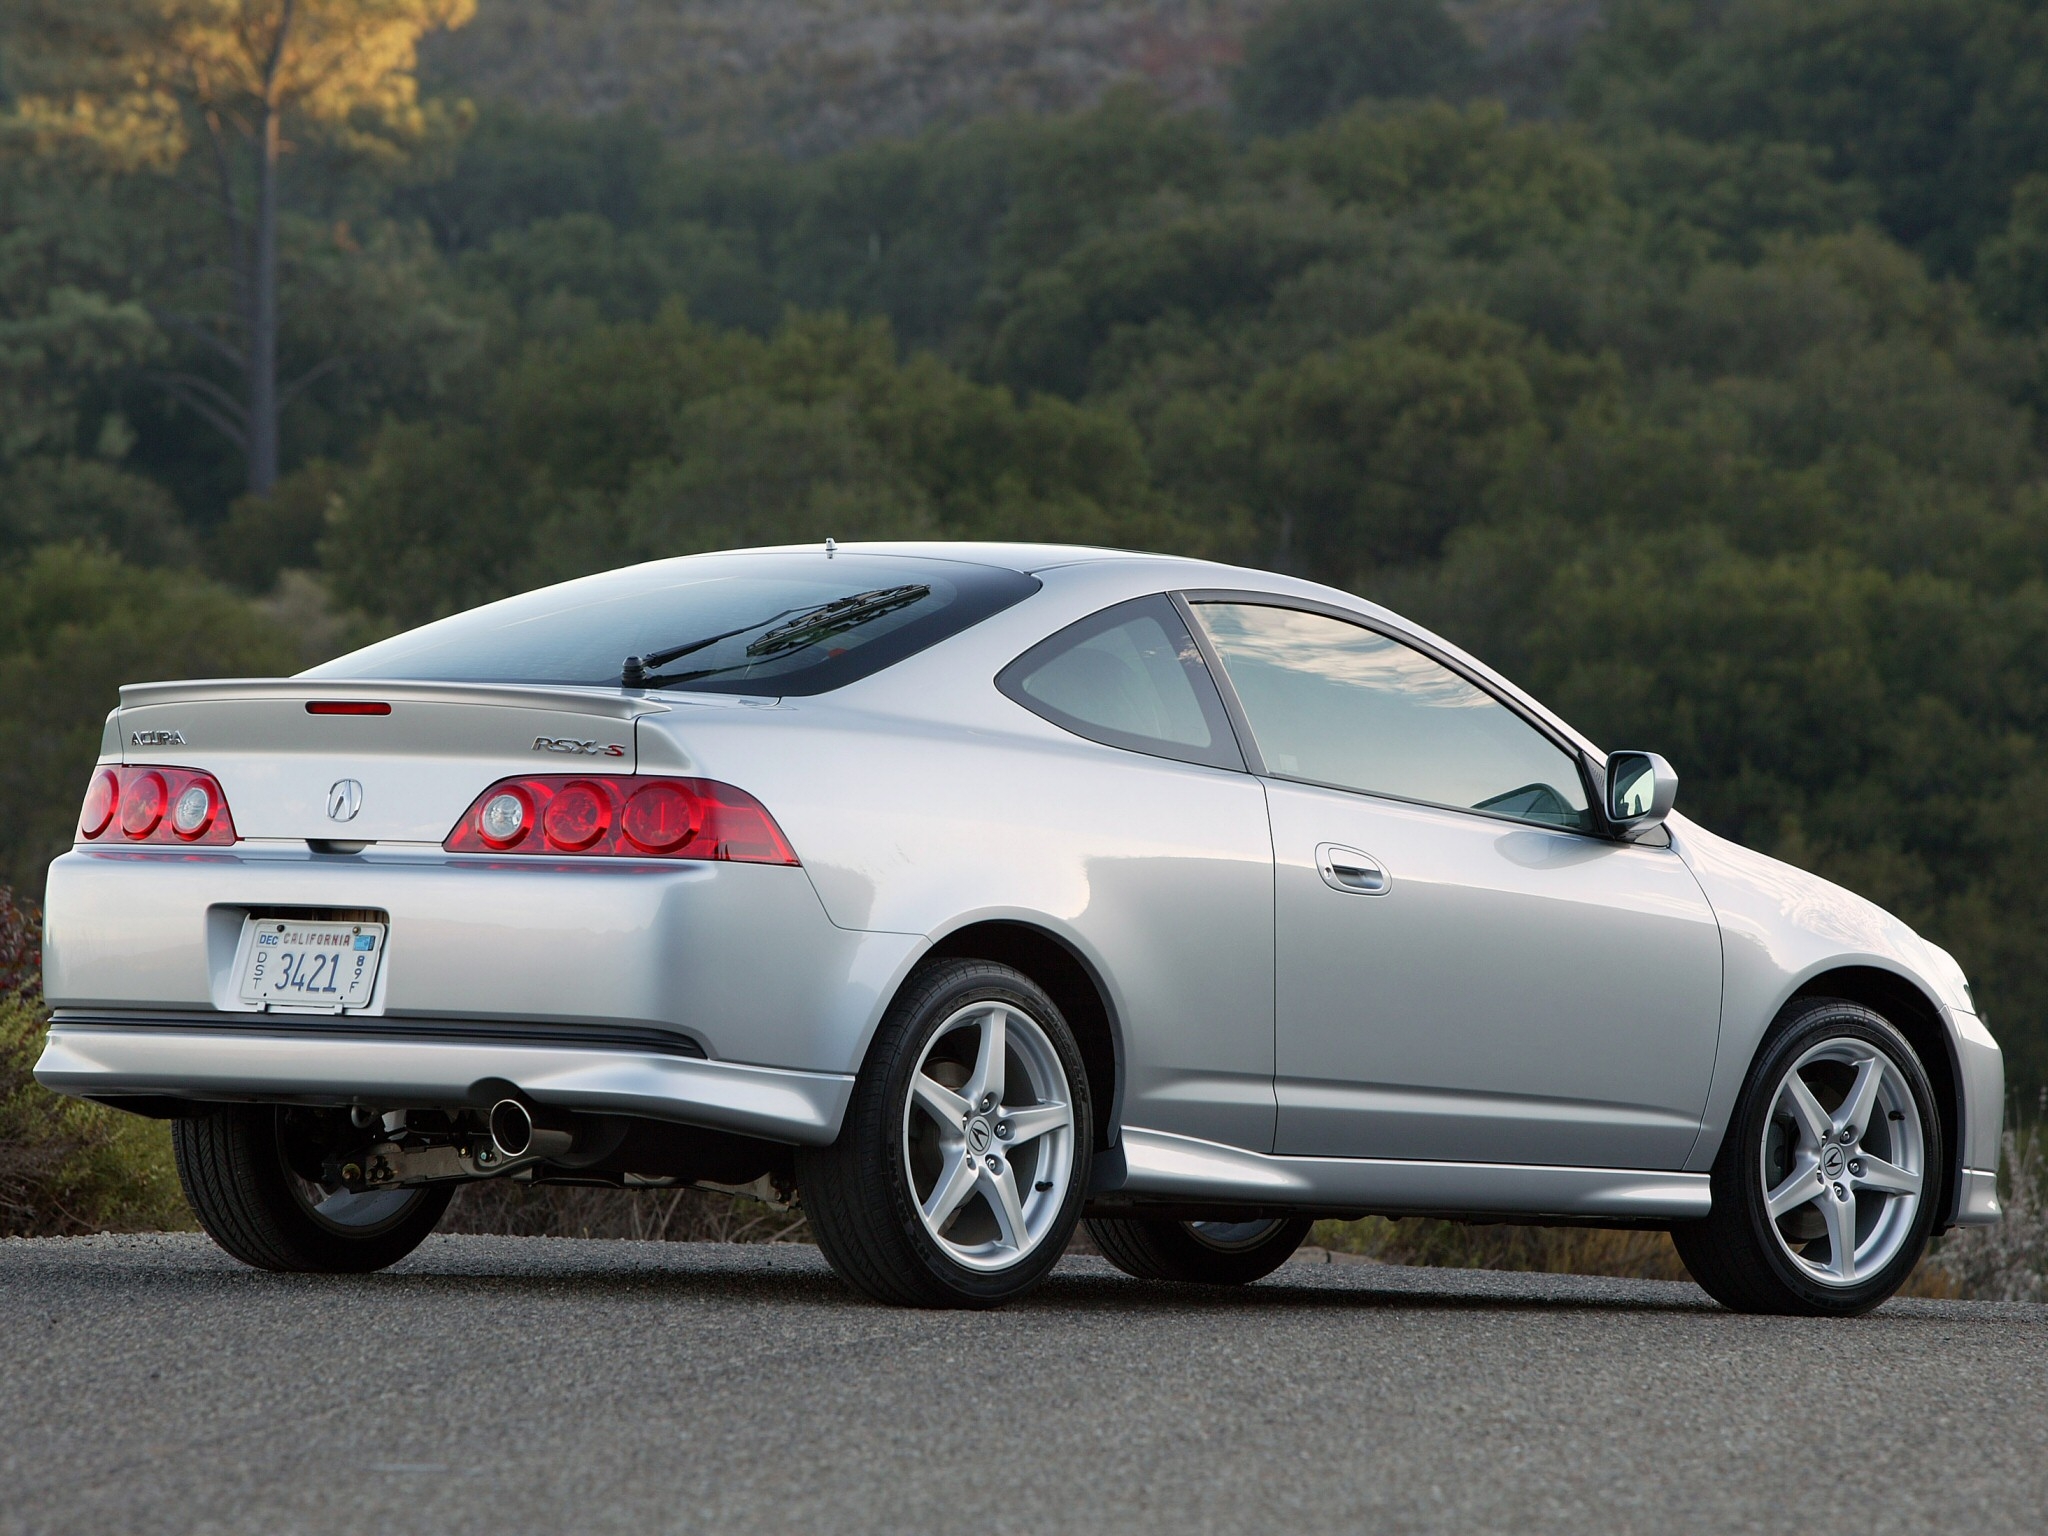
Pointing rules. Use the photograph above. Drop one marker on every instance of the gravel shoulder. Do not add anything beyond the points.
(508, 1385)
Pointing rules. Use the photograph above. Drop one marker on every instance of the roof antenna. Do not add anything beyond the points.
(831, 548)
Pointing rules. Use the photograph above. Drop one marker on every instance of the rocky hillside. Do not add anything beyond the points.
(810, 76)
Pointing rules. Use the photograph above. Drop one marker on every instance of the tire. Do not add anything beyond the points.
(1198, 1252)
(251, 1175)
(1873, 1186)
(1004, 1179)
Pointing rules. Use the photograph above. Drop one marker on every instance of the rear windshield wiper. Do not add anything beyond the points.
(803, 627)
(833, 618)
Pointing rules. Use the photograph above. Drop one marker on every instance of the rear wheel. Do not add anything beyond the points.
(1198, 1252)
(1824, 1188)
(252, 1175)
(958, 1175)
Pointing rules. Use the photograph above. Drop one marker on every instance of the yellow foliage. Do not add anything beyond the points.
(144, 82)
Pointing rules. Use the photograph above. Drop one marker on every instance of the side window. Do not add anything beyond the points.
(1339, 704)
(1130, 676)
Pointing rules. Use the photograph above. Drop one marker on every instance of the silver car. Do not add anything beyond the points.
(965, 892)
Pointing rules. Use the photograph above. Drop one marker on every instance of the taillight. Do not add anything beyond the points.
(135, 804)
(629, 816)
(102, 797)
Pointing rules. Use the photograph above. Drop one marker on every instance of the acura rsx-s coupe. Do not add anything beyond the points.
(966, 892)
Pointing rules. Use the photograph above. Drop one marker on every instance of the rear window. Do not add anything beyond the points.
(782, 622)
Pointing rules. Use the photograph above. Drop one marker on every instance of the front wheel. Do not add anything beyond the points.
(960, 1169)
(1824, 1188)
(252, 1175)
(1198, 1252)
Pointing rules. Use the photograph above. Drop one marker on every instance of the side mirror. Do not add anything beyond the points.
(1641, 789)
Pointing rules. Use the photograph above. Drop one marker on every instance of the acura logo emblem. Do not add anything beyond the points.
(344, 799)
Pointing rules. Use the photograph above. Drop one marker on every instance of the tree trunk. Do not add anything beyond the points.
(263, 307)
(263, 317)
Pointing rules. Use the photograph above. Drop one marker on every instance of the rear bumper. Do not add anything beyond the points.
(104, 1059)
(738, 960)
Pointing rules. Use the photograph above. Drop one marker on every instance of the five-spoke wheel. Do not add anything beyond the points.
(988, 1133)
(1843, 1161)
(960, 1168)
(1823, 1189)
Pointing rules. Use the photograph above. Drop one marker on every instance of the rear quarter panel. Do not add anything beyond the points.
(923, 800)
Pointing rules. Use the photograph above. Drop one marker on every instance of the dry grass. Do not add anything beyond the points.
(1543, 1250)
(2008, 1262)
(504, 1207)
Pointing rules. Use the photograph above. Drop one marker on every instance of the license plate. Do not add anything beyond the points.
(325, 966)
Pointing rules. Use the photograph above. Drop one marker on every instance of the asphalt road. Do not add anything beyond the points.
(509, 1385)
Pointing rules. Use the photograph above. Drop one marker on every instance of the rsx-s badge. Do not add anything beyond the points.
(157, 739)
(571, 745)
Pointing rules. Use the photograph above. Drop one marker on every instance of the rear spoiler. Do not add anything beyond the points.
(606, 703)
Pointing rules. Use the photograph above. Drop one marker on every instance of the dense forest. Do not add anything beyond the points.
(1694, 375)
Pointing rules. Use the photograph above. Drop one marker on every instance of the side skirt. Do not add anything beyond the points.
(1164, 1168)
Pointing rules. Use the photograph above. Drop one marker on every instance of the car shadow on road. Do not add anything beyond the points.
(180, 1268)
(1392, 1288)
(797, 1277)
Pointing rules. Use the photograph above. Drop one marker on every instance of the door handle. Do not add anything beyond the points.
(1349, 870)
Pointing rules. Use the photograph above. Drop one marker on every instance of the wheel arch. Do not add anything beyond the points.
(1073, 983)
(1916, 1016)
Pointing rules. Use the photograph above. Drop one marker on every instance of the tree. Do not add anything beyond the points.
(641, 440)
(1933, 108)
(1311, 59)
(75, 624)
(216, 93)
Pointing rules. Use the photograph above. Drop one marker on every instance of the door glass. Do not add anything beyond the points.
(1339, 704)
(1130, 676)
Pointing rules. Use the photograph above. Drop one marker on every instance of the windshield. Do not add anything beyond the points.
(777, 622)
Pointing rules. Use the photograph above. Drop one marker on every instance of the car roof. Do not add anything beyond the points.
(1135, 571)
(1015, 556)
(1137, 565)
(1139, 571)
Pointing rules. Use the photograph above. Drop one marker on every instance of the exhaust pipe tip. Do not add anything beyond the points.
(511, 1126)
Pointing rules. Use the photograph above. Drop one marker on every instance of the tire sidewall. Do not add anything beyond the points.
(1158, 1249)
(1739, 1174)
(944, 996)
(236, 1174)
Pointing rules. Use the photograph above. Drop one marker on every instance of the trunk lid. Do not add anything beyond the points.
(415, 769)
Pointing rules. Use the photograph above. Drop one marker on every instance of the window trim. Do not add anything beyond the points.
(1228, 751)
(1248, 740)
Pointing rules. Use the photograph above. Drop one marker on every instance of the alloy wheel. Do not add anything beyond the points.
(1844, 1162)
(988, 1135)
